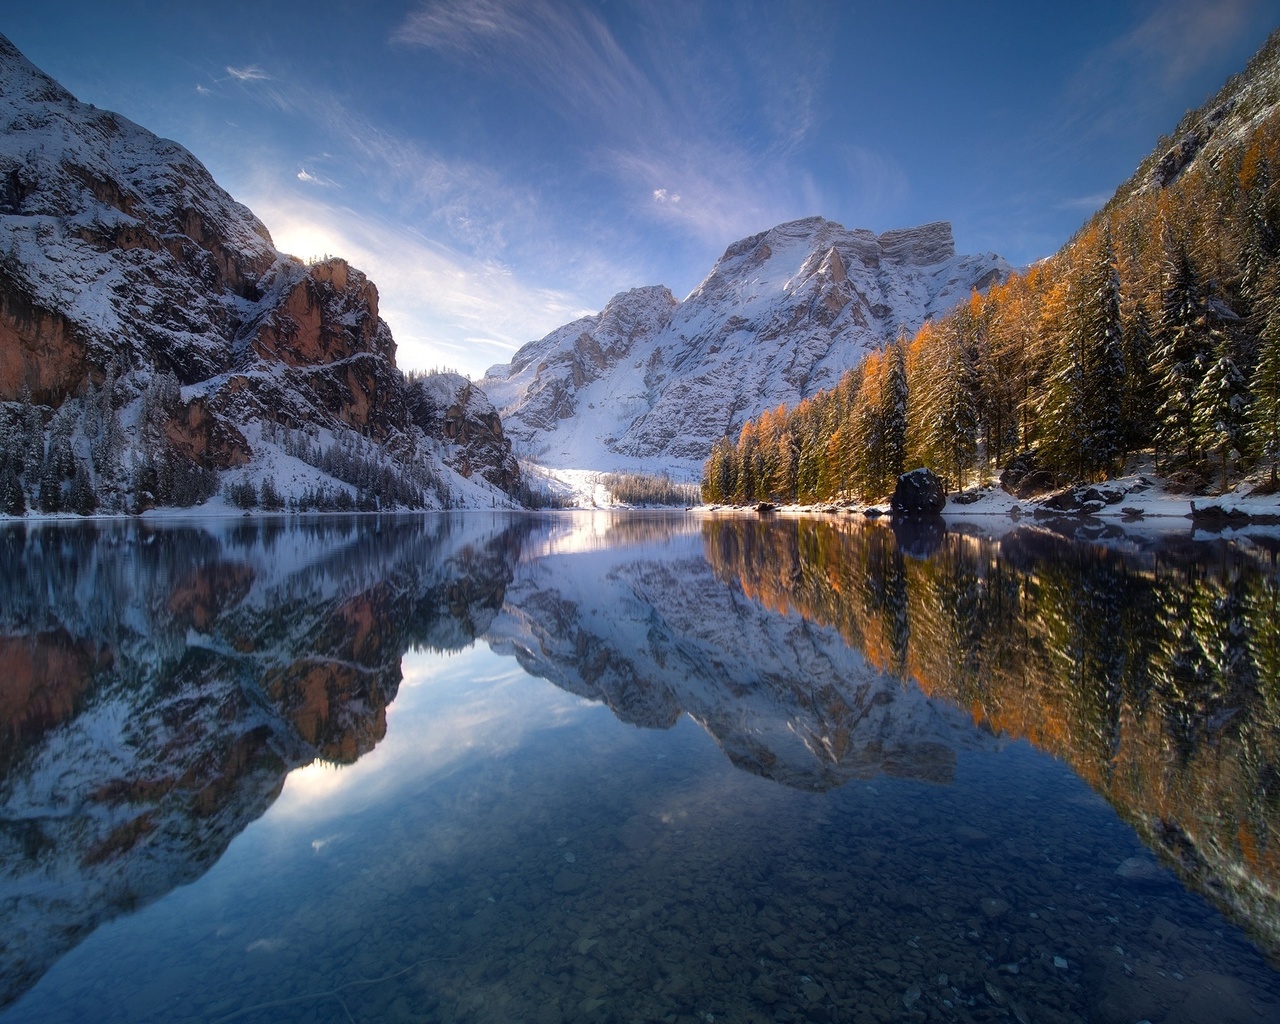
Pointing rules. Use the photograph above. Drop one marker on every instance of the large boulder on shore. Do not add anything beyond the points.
(919, 493)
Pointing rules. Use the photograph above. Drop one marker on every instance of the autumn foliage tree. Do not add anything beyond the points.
(1155, 331)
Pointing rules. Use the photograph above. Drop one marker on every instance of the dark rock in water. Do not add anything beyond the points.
(1217, 516)
(766, 507)
(871, 513)
(919, 492)
(919, 536)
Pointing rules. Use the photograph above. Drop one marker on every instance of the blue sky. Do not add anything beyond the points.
(499, 167)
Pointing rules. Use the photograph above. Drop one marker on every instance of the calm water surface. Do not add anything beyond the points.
(636, 768)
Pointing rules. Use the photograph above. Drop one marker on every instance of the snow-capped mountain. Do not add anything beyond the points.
(652, 382)
(149, 327)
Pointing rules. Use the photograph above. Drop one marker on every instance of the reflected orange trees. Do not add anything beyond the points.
(1153, 671)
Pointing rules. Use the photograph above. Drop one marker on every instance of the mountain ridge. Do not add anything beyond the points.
(782, 313)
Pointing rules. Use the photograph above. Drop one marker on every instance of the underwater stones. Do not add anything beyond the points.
(889, 966)
(635, 834)
(568, 882)
(1141, 871)
(970, 836)
(994, 908)
(764, 991)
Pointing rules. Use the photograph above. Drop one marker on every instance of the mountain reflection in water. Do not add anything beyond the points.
(159, 682)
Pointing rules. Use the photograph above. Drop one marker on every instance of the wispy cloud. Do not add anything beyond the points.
(249, 73)
(1183, 37)
(445, 308)
(659, 118)
(1088, 204)
(1154, 60)
(716, 201)
(474, 204)
(314, 179)
(878, 185)
(566, 51)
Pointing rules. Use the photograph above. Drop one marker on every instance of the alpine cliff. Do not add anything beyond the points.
(155, 345)
(654, 381)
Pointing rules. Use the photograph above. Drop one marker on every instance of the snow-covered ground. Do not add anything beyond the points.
(1139, 499)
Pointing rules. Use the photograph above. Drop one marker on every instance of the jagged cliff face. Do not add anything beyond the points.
(781, 315)
(449, 407)
(122, 260)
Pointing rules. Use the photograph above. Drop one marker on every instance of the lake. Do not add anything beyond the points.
(637, 767)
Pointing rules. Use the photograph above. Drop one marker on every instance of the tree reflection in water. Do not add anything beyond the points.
(1151, 668)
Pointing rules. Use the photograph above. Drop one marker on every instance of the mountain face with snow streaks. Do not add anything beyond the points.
(147, 321)
(651, 382)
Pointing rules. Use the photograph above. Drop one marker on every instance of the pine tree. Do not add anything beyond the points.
(1220, 409)
(12, 501)
(1138, 402)
(1105, 369)
(1182, 354)
(82, 500)
(1260, 241)
(50, 494)
(894, 396)
(32, 436)
(952, 417)
(1265, 385)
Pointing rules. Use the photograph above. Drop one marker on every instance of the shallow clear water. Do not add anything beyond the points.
(634, 768)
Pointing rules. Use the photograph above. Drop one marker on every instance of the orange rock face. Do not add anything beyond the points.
(314, 324)
(42, 678)
(206, 439)
(38, 350)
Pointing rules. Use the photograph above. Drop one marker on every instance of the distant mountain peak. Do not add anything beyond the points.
(651, 382)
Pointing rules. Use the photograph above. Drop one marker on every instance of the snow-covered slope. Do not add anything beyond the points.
(652, 382)
(147, 321)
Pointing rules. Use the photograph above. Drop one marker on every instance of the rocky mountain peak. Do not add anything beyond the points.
(921, 246)
(782, 314)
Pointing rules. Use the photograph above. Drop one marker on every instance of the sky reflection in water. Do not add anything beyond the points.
(790, 835)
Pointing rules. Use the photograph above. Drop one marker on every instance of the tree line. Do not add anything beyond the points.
(1155, 331)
